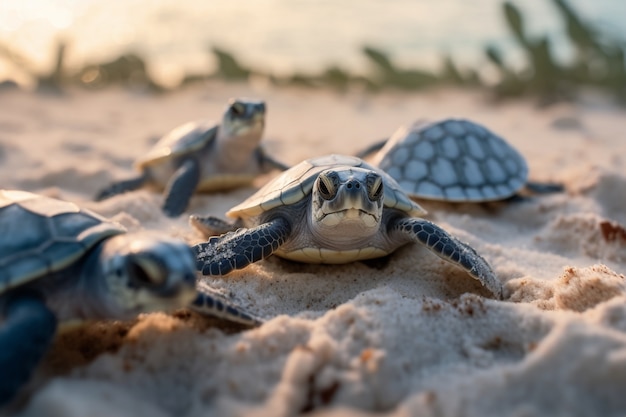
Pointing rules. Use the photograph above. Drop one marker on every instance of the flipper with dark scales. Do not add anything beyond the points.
(27, 332)
(211, 225)
(181, 187)
(236, 250)
(122, 187)
(212, 303)
(449, 248)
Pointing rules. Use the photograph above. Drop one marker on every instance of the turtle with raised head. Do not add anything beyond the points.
(60, 263)
(454, 160)
(204, 156)
(331, 209)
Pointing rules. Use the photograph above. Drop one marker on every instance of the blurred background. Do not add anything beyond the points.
(544, 47)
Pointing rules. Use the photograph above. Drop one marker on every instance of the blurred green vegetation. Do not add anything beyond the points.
(598, 63)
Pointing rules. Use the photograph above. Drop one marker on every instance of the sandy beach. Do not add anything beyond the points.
(412, 337)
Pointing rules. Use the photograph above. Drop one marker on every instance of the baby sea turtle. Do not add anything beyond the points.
(59, 262)
(331, 209)
(454, 160)
(204, 156)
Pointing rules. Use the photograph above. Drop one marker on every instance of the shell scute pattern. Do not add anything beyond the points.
(44, 235)
(296, 183)
(453, 160)
(182, 140)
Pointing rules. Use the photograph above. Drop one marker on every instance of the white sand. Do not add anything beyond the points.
(417, 337)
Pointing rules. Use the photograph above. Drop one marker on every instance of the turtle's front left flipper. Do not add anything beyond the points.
(121, 187)
(211, 303)
(25, 335)
(236, 250)
(449, 248)
(181, 187)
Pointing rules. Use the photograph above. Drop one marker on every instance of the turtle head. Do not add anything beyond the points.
(244, 117)
(144, 272)
(348, 199)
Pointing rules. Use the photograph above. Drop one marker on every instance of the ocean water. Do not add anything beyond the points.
(279, 36)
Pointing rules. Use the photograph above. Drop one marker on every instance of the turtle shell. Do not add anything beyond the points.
(453, 160)
(297, 182)
(183, 140)
(40, 235)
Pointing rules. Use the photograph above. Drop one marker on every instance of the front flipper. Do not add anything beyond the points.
(449, 248)
(211, 225)
(181, 187)
(122, 187)
(267, 163)
(212, 303)
(25, 336)
(236, 250)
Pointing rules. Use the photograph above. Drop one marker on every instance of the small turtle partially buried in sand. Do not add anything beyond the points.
(204, 156)
(331, 209)
(59, 262)
(454, 160)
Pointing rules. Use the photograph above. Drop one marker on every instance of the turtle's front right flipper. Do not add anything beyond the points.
(25, 335)
(211, 303)
(122, 187)
(181, 187)
(236, 250)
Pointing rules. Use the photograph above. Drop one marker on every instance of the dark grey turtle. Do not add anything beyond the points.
(204, 156)
(454, 160)
(59, 262)
(332, 209)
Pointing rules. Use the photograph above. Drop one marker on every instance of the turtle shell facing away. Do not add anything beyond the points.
(453, 160)
(297, 182)
(39, 235)
(183, 140)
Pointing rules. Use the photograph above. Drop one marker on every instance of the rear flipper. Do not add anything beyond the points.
(122, 187)
(181, 187)
(535, 187)
(449, 248)
(211, 226)
(25, 336)
(236, 250)
(212, 303)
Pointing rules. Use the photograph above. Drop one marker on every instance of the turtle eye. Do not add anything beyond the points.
(238, 108)
(146, 272)
(326, 187)
(374, 187)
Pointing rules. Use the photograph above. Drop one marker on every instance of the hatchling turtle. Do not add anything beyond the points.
(454, 160)
(330, 209)
(59, 263)
(204, 156)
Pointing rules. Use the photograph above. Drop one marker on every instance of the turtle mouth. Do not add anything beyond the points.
(256, 124)
(349, 216)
